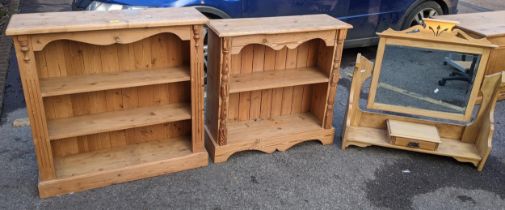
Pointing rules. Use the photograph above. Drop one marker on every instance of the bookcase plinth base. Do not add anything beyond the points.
(221, 153)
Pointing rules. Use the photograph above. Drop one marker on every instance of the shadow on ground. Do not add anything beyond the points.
(393, 188)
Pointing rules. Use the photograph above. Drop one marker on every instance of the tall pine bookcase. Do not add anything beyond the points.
(112, 96)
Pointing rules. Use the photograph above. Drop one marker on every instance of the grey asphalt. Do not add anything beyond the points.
(309, 175)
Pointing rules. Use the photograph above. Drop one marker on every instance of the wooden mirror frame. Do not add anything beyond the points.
(436, 35)
(471, 143)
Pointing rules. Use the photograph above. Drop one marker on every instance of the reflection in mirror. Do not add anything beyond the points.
(426, 78)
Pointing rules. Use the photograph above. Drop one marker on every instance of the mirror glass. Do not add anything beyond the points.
(426, 79)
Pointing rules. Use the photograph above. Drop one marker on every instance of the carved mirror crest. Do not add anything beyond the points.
(431, 70)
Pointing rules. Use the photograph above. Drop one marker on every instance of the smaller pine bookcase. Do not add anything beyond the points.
(112, 96)
(271, 82)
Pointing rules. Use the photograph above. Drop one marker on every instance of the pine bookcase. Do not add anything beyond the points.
(112, 96)
(271, 82)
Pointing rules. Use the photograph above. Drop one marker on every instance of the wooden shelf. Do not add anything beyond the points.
(119, 120)
(276, 134)
(448, 147)
(97, 82)
(277, 127)
(276, 79)
(122, 157)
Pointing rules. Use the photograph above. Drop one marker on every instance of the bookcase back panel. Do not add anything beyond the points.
(264, 104)
(115, 100)
(69, 58)
(115, 139)
(259, 58)
(73, 105)
(325, 58)
(276, 102)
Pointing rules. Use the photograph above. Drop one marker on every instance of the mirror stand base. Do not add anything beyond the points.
(466, 143)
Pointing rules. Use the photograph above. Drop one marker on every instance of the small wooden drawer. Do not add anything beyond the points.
(413, 135)
(414, 143)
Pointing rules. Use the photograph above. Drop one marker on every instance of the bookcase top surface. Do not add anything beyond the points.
(75, 21)
(276, 25)
(487, 24)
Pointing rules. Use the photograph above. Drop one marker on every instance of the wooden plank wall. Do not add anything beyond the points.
(264, 104)
(70, 58)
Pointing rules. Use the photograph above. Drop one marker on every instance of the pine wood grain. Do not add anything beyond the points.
(276, 134)
(56, 22)
(107, 81)
(119, 120)
(276, 25)
(276, 79)
(104, 88)
(447, 147)
(488, 24)
(102, 168)
(134, 154)
(466, 143)
(279, 68)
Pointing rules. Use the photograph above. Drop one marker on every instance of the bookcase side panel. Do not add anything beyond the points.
(31, 89)
(213, 84)
(334, 77)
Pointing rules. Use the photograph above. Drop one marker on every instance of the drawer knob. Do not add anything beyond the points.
(413, 145)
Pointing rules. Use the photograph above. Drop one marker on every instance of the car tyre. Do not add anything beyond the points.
(424, 10)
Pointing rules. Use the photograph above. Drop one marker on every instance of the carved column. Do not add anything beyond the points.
(334, 77)
(25, 49)
(196, 35)
(224, 91)
(197, 88)
(35, 107)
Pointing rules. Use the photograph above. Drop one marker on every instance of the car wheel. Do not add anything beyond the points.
(205, 52)
(205, 45)
(424, 10)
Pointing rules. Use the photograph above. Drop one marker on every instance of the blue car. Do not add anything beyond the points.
(367, 16)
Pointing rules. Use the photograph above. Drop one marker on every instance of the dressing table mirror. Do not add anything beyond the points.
(423, 89)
